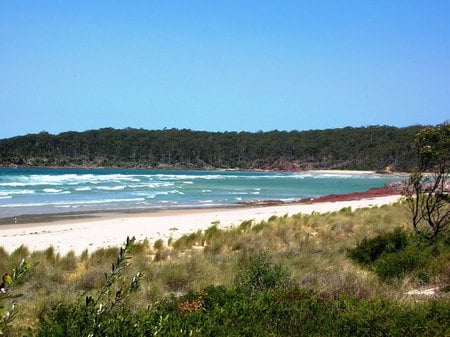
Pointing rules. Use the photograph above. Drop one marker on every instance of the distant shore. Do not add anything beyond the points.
(206, 168)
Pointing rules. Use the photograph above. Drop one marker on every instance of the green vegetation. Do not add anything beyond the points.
(346, 273)
(7, 312)
(281, 277)
(218, 311)
(258, 273)
(374, 147)
(102, 315)
(428, 195)
(397, 254)
(369, 250)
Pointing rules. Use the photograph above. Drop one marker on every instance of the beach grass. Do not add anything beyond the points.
(313, 249)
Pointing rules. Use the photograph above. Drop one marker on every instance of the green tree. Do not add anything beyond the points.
(428, 185)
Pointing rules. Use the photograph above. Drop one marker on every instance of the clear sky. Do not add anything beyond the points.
(222, 65)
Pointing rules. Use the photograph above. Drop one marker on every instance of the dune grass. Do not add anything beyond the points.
(312, 249)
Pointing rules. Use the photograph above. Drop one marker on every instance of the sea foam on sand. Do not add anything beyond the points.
(94, 233)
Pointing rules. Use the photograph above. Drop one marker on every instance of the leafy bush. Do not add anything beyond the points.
(395, 255)
(218, 311)
(399, 264)
(369, 250)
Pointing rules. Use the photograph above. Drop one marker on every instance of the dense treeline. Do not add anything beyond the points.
(374, 147)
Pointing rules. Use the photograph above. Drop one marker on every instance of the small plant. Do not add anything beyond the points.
(211, 232)
(109, 297)
(98, 315)
(245, 226)
(158, 245)
(260, 273)
(7, 313)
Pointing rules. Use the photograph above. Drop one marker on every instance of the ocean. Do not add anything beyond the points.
(49, 191)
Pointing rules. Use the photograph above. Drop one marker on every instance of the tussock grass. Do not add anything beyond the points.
(314, 248)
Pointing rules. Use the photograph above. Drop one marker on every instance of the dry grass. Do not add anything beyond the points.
(313, 247)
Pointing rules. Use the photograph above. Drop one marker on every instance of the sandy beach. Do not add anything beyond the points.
(111, 230)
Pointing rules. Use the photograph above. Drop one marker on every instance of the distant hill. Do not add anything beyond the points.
(363, 148)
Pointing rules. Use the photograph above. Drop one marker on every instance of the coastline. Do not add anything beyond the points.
(95, 229)
(29, 219)
(38, 193)
(206, 169)
(101, 230)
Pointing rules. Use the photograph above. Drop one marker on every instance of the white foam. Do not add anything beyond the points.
(70, 179)
(176, 192)
(85, 202)
(83, 189)
(111, 188)
(151, 185)
(17, 192)
(332, 175)
(51, 190)
(187, 177)
(15, 184)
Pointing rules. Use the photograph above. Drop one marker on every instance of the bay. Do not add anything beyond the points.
(48, 191)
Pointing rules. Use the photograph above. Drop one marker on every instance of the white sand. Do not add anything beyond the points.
(339, 172)
(81, 234)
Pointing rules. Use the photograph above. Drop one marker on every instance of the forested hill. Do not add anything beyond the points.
(374, 148)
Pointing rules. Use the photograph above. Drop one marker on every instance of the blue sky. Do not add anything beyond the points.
(222, 65)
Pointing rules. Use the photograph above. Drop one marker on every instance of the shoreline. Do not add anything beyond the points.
(77, 231)
(207, 169)
(65, 217)
(29, 219)
(103, 230)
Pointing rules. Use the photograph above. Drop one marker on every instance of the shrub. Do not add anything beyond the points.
(398, 264)
(369, 250)
(104, 314)
(395, 255)
(218, 311)
(260, 273)
(176, 278)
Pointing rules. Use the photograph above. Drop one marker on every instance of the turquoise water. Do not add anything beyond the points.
(45, 191)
